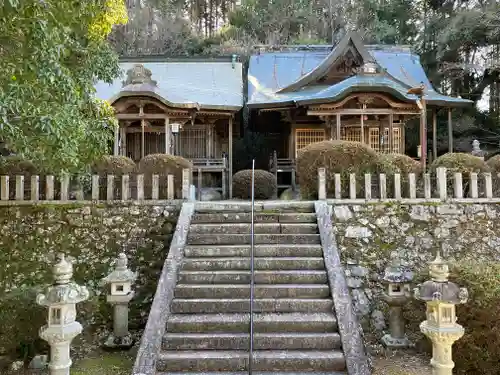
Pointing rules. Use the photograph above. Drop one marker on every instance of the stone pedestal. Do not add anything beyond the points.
(121, 337)
(441, 362)
(396, 338)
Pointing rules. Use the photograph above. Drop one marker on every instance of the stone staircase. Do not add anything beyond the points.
(295, 328)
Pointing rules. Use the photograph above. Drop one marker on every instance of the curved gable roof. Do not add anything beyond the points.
(209, 85)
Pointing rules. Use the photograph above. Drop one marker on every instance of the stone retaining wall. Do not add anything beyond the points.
(92, 235)
(369, 235)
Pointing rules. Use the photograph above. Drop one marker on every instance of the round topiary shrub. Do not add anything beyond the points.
(460, 163)
(113, 165)
(16, 165)
(402, 164)
(266, 186)
(494, 163)
(341, 157)
(477, 352)
(163, 165)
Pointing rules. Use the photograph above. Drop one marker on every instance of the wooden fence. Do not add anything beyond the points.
(440, 185)
(96, 188)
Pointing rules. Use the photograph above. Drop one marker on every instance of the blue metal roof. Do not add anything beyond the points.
(270, 72)
(215, 85)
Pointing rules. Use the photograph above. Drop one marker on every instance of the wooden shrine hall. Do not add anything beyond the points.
(298, 96)
(186, 108)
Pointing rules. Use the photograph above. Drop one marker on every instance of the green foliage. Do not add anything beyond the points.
(460, 162)
(115, 165)
(249, 147)
(477, 352)
(163, 165)
(265, 184)
(50, 61)
(494, 163)
(15, 165)
(336, 157)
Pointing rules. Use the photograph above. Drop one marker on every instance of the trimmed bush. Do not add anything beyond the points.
(477, 352)
(266, 186)
(115, 165)
(494, 163)
(16, 165)
(460, 163)
(163, 165)
(341, 157)
(401, 163)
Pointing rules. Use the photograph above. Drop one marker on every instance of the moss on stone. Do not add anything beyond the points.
(92, 235)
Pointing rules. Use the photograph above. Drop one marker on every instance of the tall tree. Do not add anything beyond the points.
(52, 53)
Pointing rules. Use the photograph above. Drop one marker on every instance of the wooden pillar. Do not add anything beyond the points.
(381, 128)
(230, 161)
(210, 140)
(142, 138)
(391, 133)
(450, 132)
(337, 126)
(423, 134)
(116, 145)
(363, 128)
(434, 134)
(167, 135)
(329, 125)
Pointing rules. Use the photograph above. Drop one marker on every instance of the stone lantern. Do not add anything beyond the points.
(397, 281)
(441, 327)
(61, 299)
(476, 149)
(120, 294)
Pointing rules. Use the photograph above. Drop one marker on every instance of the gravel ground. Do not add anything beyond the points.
(401, 363)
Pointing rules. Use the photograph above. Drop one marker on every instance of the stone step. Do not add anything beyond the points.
(284, 263)
(260, 228)
(244, 239)
(214, 306)
(224, 291)
(267, 207)
(234, 264)
(260, 277)
(259, 217)
(253, 373)
(263, 322)
(241, 341)
(259, 251)
(234, 360)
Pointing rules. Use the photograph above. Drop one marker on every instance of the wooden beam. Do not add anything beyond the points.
(136, 116)
(450, 132)
(147, 129)
(230, 161)
(372, 111)
(434, 134)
